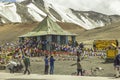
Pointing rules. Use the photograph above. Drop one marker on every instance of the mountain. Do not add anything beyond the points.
(37, 10)
(11, 0)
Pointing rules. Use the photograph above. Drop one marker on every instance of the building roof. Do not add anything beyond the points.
(47, 27)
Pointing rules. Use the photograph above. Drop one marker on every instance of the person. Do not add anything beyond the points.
(0, 49)
(52, 65)
(11, 66)
(46, 65)
(79, 68)
(78, 56)
(26, 61)
(117, 65)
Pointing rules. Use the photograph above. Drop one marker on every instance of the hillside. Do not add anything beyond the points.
(10, 32)
(106, 32)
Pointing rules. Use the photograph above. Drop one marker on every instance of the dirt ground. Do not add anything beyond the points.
(65, 68)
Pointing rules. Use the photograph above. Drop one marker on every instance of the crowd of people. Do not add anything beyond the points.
(32, 48)
(29, 47)
(35, 49)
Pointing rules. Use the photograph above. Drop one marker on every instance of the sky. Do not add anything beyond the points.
(103, 6)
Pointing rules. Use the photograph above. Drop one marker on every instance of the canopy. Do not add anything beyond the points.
(47, 27)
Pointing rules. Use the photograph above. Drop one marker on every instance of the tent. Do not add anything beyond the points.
(51, 32)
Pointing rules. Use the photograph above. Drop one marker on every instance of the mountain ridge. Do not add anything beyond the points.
(37, 10)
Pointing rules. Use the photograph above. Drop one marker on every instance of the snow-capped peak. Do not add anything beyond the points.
(9, 11)
(70, 11)
(11, 0)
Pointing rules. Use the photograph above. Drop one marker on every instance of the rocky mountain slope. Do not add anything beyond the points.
(37, 10)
